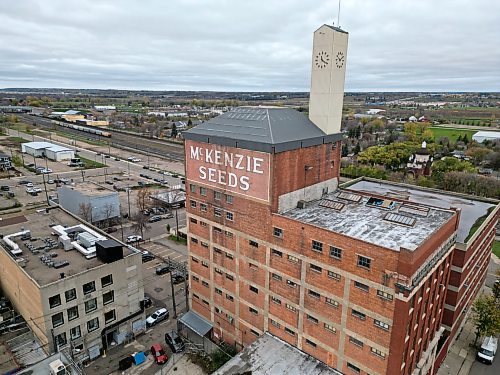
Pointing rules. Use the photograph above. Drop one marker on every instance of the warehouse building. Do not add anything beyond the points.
(48, 150)
(369, 278)
(77, 289)
(482, 136)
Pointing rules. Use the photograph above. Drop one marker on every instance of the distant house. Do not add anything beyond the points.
(412, 119)
(5, 162)
(102, 108)
(482, 136)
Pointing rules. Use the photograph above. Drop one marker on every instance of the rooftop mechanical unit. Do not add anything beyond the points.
(109, 251)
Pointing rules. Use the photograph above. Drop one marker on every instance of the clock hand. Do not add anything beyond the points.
(324, 62)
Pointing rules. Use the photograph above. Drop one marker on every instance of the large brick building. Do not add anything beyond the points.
(355, 276)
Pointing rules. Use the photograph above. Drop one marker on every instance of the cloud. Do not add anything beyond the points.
(236, 45)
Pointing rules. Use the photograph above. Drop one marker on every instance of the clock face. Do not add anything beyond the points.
(340, 60)
(322, 60)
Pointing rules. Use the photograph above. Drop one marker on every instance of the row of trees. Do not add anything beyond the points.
(486, 312)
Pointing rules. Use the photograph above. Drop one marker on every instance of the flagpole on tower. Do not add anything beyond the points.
(338, 16)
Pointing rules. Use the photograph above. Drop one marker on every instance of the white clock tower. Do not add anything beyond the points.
(328, 77)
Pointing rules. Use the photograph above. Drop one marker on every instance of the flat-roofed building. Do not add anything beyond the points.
(75, 287)
(49, 150)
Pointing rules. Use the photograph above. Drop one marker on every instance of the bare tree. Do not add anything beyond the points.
(140, 223)
(108, 213)
(143, 200)
(85, 210)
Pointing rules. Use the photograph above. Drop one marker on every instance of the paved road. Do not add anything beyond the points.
(479, 368)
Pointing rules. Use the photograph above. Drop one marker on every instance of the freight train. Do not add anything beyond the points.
(82, 128)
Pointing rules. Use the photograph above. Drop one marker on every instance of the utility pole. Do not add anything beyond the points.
(45, 187)
(128, 201)
(173, 295)
(176, 224)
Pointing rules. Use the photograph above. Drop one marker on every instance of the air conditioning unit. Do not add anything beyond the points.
(301, 204)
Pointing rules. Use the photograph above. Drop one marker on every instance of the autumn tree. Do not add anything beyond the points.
(140, 223)
(486, 316)
(143, 200)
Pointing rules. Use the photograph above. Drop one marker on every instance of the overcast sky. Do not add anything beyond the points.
(247, 45)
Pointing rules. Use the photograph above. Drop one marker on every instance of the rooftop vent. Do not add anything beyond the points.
(400, 219)
(328, 203)
(349, 196)
(381, 203)
(301, 204)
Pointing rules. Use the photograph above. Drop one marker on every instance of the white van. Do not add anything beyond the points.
(488, 350)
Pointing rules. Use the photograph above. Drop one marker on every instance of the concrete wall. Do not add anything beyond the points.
(71, 199)
(60, 155)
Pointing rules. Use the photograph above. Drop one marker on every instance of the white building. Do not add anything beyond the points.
(104, 107)
(49, 150)
(482, 136)
(91, 202)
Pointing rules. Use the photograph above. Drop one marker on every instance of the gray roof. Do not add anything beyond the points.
(271, 355)
(196, 323)
(267, 129)
(337, 29)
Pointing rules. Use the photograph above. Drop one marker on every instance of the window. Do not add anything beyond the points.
(355, 341)
(203, 191)
(54, 301)
(108, 297)
(109, 316)
(203, 207)
(253, 289)
(275, 323)
(204, 244)
(229, 216)
(277, 232)
(253, 243)
(57, 320)
(195, 278)
(193, 203)
(106, 280)
(253, 267)
(229, 277)
(335, 252)
(314, 294)
(330, 328)
(218, 291)
(353, 368)
(289, 331)
(228, 234)
(334, 275)
(312, 343)
(195, 260)
(317, 246)
(331, 302)
(204, 263)
(378, 353)
(203, 224)
(194, 240)
(193, 220)
(361, 286)
(217, 212)
(204, 283)
(276, 253)
(192, 188)
(276, 300)
(217, 250)
(380, 324)
(312, 319)
(89, 287)
(70, 295)
(254, 332)
(230, 297)
(75, 333)
(229, 255)
(196, 296)
(217, 230)
(364, 262)
(291, 284)
(253, 311)
(293, 259)
(217, 195)
(72, 313)
(218, 270)
(315, 268)
(384, 295)
(229, 199)
(61, 339)
(358, 314)
(290, 307)
(90, 305)
(277, 277)
(93, 324)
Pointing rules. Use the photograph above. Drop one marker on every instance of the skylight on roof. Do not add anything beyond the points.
(400, 219)
(349, 196)
(328, 203)
(414, 209)
(381, 203)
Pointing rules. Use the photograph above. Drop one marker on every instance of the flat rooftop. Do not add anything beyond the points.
(472, 209)
(382, 222)
(41, 224)
(90, 189)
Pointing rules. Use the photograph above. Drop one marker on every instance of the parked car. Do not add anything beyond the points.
(133, 238)
(178, 278)
(44, 170)
(168, 215)
(11, 194)
(175, 175)
(34, 189)
(117, 159)
(488, 350)
(147, 301)
(156, 317)
(109, 182)
(175, 343)
(162, 269)
(24, 182)
(64, 180)
(147, 256)
(145, 167)
(154, 219)
(50, 181)
(159, 355)
(4, 188)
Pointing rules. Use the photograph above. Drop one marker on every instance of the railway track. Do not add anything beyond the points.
(118, 139)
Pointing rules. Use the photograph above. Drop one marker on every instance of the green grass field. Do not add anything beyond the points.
(451, 133)
(496, 248)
